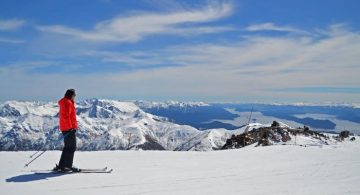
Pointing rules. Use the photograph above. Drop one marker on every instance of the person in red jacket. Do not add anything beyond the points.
(68, 126)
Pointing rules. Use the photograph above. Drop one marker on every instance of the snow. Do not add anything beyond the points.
(281, 169)
(35, 108)
(318, 168)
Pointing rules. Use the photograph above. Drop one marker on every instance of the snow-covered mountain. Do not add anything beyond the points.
(167, 104)
(114, 125)
(195, 114)
(103, 125)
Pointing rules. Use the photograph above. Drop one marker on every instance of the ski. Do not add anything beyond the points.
(71, 172)
(95, 171)
(101, 170)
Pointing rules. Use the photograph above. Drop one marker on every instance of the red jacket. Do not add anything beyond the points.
(67, 114)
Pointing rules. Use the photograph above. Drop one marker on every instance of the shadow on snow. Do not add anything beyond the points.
(33, 177)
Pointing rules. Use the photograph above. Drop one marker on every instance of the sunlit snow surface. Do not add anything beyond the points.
(279, 169)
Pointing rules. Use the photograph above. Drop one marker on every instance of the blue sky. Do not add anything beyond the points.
(246, 51)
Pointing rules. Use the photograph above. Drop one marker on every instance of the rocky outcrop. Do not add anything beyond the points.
(344, 134)
(265, 136)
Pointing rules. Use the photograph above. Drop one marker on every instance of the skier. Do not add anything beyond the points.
(68, 127)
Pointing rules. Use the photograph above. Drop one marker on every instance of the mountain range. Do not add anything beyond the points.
(128, 125)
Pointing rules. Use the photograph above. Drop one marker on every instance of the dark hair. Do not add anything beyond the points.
(69, 93)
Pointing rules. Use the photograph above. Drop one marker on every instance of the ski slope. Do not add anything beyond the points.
(278, 169)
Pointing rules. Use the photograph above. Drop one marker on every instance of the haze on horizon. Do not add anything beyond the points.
(212, 51)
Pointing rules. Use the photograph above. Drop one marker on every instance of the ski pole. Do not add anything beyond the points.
(41, 148)
(27, 164)
(34, 154)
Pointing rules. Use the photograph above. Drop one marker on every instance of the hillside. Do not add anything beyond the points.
(276, 170)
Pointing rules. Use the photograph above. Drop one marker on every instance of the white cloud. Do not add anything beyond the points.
(246, 69)
(12, 24)
(250, 67)
(22, 67)
(273, 27)
(11, 40)
(134, 27)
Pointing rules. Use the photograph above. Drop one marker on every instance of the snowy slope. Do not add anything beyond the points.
(276, 170)
(103, 125)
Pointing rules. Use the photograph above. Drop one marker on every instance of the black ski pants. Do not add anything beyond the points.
(67, 155)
